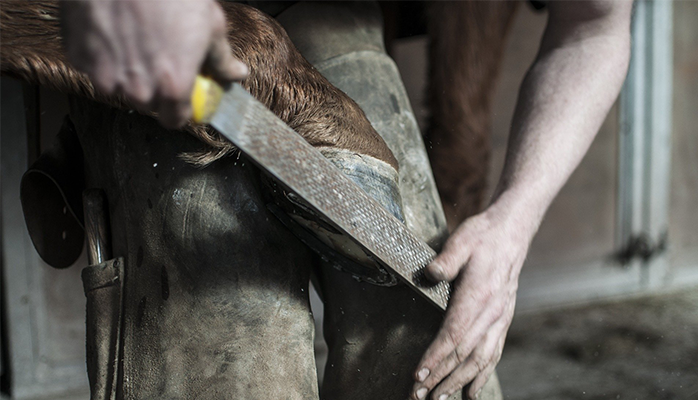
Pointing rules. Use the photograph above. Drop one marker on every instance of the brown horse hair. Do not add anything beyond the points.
(467, 41)
(279, 77)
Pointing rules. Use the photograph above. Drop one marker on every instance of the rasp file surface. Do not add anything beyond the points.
(285, 155)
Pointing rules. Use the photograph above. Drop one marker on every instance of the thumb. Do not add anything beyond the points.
(447, 265)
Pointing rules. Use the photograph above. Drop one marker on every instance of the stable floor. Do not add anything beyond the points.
(638, 349)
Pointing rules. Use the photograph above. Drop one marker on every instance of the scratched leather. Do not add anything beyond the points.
(376, 335)
(215, 289)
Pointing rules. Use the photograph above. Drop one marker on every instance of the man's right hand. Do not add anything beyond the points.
(150, 51)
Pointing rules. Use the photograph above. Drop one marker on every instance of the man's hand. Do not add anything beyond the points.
(149, 51)
(484, 256)
(563, 100)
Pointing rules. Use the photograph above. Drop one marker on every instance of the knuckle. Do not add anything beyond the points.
(172, 92)
(453, 337)
(457, 250)
(104, 84)
(172, 83)
(442, 389)
(139, 92)
(461, 355)
(480, 363)
(173, 118)
(447, 387)
(498, 309)
(432, 381)
(497, 356)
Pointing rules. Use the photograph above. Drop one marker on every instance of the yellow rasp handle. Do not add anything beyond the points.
(205, 98)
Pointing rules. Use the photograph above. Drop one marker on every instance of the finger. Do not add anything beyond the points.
(447, 265)
(480, 381)
(172, 101)
(486, 353)
(441, 371)
(441, 347)
(466, 347)
(220, 63)
(137, 80)
(173, 114)
(464, 310)
(443, 356)
(89, 52)
(494, 344)
(458, 356)
(487, 321)
(431, 368)
(139, 87)
(103, 69)
(464, 373)
(104, 78)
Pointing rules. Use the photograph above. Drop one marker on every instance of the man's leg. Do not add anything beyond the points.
(376, 335)
(215, 289)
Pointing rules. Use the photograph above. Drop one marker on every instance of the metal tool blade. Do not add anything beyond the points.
(285, 155)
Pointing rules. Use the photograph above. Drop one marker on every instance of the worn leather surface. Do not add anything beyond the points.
(104, 288)
(215, 289)
(376, 335)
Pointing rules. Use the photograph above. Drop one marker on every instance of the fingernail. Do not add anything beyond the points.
(443, 397)
(477, 394)
(439, 271)
(421, 393)
(423, 374)
(436, 271)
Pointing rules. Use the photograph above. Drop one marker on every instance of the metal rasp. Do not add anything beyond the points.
(284, 154)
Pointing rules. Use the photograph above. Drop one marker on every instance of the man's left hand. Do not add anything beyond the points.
(484, 257)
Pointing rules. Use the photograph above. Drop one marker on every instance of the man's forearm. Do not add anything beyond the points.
(562, 103)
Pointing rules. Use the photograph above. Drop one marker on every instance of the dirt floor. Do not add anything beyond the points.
(644, 349)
